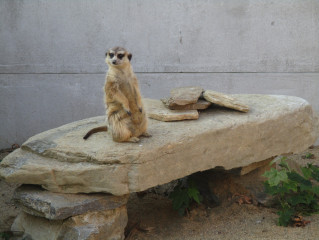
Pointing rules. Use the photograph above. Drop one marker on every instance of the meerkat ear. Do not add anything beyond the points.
(105, 54)
(129, 56)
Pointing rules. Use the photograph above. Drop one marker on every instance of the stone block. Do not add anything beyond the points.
(56, 206)
(61, 161)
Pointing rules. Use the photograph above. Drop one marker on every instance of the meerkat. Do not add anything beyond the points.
(124, 108)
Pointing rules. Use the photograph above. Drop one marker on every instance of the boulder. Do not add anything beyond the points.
(61, 161)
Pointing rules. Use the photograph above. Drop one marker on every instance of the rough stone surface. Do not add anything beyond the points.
(55, 206)
(156, 110)
(107, 224)
(255, 165)
(184, 96)
(199, 105)
(224, 100)
(61, 161)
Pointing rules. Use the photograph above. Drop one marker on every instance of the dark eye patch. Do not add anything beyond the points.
(111, 55)
(120, 56)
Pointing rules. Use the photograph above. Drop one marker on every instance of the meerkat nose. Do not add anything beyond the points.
(114, 61)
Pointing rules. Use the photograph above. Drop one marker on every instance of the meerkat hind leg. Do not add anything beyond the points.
(134, 139)
(146, 134)
(120, 130)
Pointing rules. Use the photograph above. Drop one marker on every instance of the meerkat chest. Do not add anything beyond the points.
(127, 88)
(126, 84)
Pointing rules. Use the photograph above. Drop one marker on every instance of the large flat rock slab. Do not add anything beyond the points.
(61, 161)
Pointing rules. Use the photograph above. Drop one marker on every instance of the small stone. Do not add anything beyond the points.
(156, 110)
(224, 100)
(184, 96)
(199, 105)
(55, 206)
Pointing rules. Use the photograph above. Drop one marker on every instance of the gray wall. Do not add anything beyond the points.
(52, 53)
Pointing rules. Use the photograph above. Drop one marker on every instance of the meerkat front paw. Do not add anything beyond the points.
(128, 112)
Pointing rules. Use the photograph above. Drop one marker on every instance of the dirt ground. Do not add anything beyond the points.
(152, 217)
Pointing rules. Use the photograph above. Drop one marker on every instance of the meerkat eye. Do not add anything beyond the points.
(120, 56)
(111, 55)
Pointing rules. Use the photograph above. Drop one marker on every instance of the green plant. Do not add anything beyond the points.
(5, 235)
(309, 156)
(184, 196)
(295, 193)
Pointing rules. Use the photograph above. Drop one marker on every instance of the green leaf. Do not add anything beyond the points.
(296, 177)
(315, 190)
(183, 196)
(309, 155)
(194, 194)
(306, 171)
(289, 186)
(285, 217)
(283, 163)
(275, 177)
(180, 198)
(315, 172)
(299, 199)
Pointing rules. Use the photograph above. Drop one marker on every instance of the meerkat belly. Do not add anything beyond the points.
(130, 94)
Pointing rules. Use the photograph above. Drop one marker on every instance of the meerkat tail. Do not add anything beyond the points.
(95, 130)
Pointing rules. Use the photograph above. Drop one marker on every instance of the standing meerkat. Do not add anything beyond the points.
(125, 112)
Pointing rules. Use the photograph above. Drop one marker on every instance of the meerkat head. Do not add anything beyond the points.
(117, 57)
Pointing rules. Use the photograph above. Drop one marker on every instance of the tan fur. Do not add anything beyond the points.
(125, 111)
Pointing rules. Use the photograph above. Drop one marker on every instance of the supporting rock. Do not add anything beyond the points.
(59, 216)
(107, 224)
(56, 206)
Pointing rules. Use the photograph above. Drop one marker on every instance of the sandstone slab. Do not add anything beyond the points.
(225, 100)
(156, 110)
(184, 96)
(107, 224)
(199, 105)
(56, 206)
(61, 161)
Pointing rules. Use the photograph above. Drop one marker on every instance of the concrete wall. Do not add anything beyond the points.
(52, 53)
